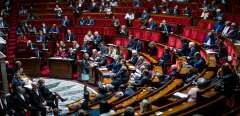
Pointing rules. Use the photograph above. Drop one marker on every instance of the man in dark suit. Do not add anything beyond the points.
(97, 38)
(69, 36)
(41, 37)
(233, 32)
(116, 65)
(44, 28)
(165, 29)
(3, 23)
(4, 105)
(50, 97)
(200, 62)
(120, 77)
(65, 22)
(176, 11)
(20, 101)
(89, 21)
(54, 29)
(101, 59)
(219, 26)
(137, 45)
(210, 41)
(133, 60)
(37, 101)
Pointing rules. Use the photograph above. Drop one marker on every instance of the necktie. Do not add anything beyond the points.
(165, 28)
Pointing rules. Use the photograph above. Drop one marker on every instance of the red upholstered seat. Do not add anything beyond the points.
(124, 42)
(201, 24)
(179, 43)
(194, 34)
(130, 31)
(137, 24)
(156, 36)
(147, 35)
(118, 42)
(138, 34)
(187, 32)
(201, 36)
(160, 52)
(210, 25)
(172, 41)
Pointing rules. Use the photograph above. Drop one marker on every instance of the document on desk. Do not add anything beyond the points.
(102, 68)
(180, 95)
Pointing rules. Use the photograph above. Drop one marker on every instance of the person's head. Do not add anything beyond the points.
(210, 34)
(201, 82)
(150, 20)
(96, 33)
(89, 17)
(164, 21)
(43, 24)
(176, 7)
(57, 6)
(1, 18)
(129, 111)
(89, 33)
(144, 11)
(54, 25)
(94, 51)
(173, 67)
(197, 55)
(34, 85)
(69, 31)
(74, 42)
(191, 44)
(227, 22)
(41, 82)
(218, 10)
(145, 105)
(140, 59)
(166, 50)
(65, 17)
(134, 52)
(233, 25)
(86, 56)
(20, 89)
(62, 43)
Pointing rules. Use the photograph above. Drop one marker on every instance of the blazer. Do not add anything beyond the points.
(165, 28)
(137, 45)
(18, 104)
(97, 39)
(65, 23)
(54, 30)
(41, 38)
(115, 66)
(90, 22)
(133, 60)
(85, 66)
(36, 100)
(69, 37)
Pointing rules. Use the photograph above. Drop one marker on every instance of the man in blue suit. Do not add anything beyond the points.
(97, 38)
(152, 25)
(209, 41)
(69, 36)
(137, 45)
(145, 15)
(41, 37)
(116, 65)
(200, 62)
(133, 60)
(65, 22)
(54, 29)
(90, 21)
(218, 27)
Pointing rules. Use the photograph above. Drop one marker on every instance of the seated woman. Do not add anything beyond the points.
(88, 37)
(61, 53)
(58, 11)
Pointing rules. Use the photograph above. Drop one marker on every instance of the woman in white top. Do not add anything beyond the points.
(88, 37)
(205, 13)
(129, 17)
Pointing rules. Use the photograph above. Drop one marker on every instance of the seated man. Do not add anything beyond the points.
(116, 65)
(166, 59)
(165, 29)
(100, 59)
(210, 41)
(50, 97)
(3, 23)
(69, 36)
(30, 45)
(198, 62)
(97, 39)
(41, 37)
(176, 11)
(218, 15)
(82, 21)
(192, 49)
(187, 12)
(54, 29)
(152, 25)
(44, 28)
(121, 77)
(133, 60)
(65, 22)
(233, 32)
(145, 15)
(58, 11)
(219, 26)
(137, 45)
(89, 21)
(145, 77)
(123, 31)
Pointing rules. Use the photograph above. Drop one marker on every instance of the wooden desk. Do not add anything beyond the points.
(60, 67)
(103, 79)
(31, 66)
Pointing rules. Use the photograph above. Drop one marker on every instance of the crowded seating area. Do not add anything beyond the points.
(119, 57)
